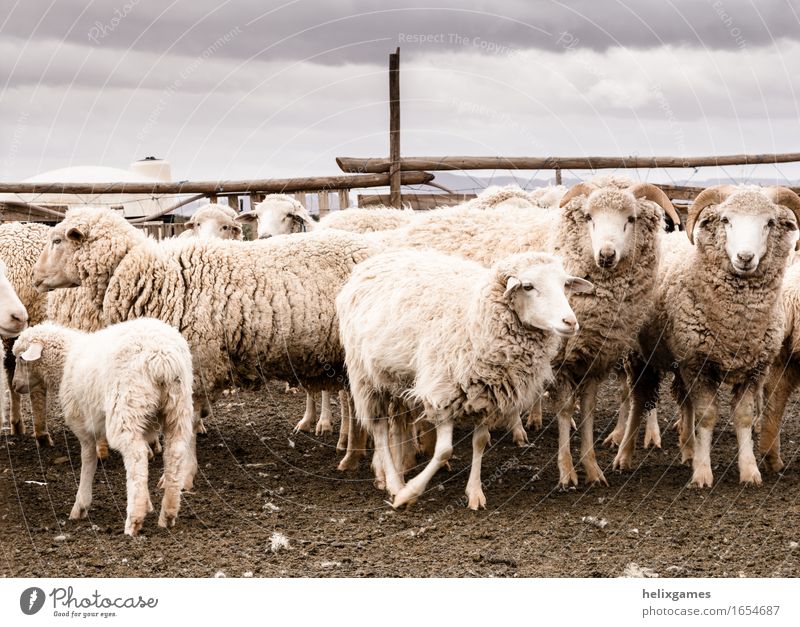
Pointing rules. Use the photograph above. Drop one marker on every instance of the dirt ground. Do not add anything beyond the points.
(257, 478)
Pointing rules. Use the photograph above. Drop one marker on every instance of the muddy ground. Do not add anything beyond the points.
(256, 478)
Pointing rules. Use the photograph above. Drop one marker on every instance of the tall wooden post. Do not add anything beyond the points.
(395, 198)
(558, 176)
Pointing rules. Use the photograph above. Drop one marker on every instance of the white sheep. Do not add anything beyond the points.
(122, 383)
(717, 318)
(213, 221)
(20, 246)
(248, 309)
(461, 340)
(13, 314)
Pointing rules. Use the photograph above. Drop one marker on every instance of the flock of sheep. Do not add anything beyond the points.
(418, 320)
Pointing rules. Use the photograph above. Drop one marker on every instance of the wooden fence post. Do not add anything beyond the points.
(394, 128)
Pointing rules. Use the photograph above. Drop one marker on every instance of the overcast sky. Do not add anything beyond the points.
(247, 88)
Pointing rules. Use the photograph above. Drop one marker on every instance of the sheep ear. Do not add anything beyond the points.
(302, 215)
(512, 284)
(247, 216)
(76, 234)
(576, 285)
(33, 353)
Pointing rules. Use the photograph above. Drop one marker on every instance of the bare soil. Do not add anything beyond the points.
(257, 479)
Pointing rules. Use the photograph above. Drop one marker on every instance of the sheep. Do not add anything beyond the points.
(459, 339)
(213, 220)
(20, 246)
(251, 309)
(121, 383)
(608, 235)
(280, 214)
(13, 314)
(783, 376)
(717, 318)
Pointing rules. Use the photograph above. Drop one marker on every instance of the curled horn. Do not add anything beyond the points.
(650, 192)
(581, 189)
(710, 196)
(786, 197)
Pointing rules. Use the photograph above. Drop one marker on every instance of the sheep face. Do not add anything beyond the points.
(748, 223)
(55, 268)
(13, 315)
(538, 296)
(278, 215)
(27, 374)
(214, 224)
(610, 217)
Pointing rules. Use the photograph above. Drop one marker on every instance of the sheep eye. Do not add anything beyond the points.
(631, 220)
(527, 287)
(56, 241)
(588, 218)
(225, 228)
(771, 223)
(725, 221)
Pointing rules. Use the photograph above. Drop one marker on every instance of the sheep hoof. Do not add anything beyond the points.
(613, 440)
(702, 477)
(686, 456)
(652, 439)
(44, 440)
(379, 483)
(17, 428)
(78, 512)
(520, 437)
(324, 427)
(568, 479)
(133, 525)
(405, 498)
(349, 462)
(750, 475)
(303, 425)
(167, 520)
(476, 500)
(200, 428)
(622, 461)
(595, 477)
(774, 463)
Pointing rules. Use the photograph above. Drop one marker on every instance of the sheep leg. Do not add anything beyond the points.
(652, 433)
(83, 500)
(518, 434)
(705, 403)
(615, 437)
(566, 470)
(781, 382)
(444, 449)
(134, 453)
(475, 497)
(588, 399)
(344, 426)
(535, 415)
(309, 416)
(177, 461)
(324, 424)
(39, 410)
(643, 398)
(17, 425)
(380, 434)
(427, 438)
(744, 405)
(401, 442)
(356, 445)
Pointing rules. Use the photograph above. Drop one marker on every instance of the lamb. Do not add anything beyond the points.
(213, 220)
(20, 246)
(717, 318)
(251, 309)
(121, 383)
(461, 340)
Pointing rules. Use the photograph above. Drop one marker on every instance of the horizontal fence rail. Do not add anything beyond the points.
(382, 164)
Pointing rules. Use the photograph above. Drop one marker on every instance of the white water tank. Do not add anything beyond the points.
(153, 169)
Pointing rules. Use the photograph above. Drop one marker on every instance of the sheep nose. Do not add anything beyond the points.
(746, 257)
(21, 318)
(570, 322)
(606, 256)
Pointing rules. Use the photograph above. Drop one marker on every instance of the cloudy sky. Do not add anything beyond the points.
(249, 88)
